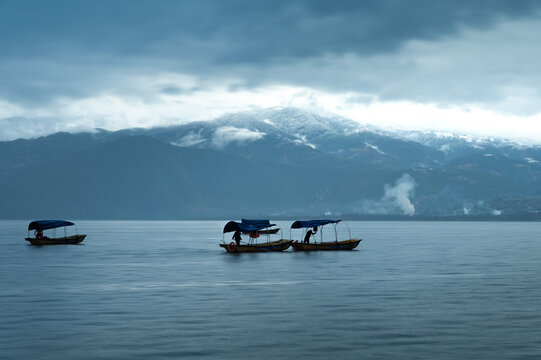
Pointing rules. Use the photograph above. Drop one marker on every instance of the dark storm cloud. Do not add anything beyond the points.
(75, 47)
(249, 30)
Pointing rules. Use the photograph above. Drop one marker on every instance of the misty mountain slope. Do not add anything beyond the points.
(15, 155)
(530, 155)
(468, 185)
(117, 179)
(384, 150)
(490, 173)
(139, 177)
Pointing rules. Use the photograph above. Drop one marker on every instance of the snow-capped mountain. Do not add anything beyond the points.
(292, 121)
(285, 127)
(309, 163)
(290, 124)
(275, 131)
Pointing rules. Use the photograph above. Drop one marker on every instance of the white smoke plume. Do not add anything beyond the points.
(396, 198)
(400, 193)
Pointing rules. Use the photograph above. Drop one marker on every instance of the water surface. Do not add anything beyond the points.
(165, 290)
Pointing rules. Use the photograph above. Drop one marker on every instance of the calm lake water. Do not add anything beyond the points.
(165, 290)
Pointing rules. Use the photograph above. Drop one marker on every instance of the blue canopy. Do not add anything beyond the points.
(48, 224)
(312, 223)
(247, 227)
(256, 222)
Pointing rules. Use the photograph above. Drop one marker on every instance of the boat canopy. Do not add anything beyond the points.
(312, 223)
(256, 222)
(48, 224)
(247, 225)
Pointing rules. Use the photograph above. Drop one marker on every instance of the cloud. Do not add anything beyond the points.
(225, 135)
(15, 127)
(68, 49)
(144, 63)
(116, 111)
(395, 199)
(240, 30)
(190, 140)
(301, 139)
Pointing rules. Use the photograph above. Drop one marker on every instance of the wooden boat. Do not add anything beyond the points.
(349, 244)
(39, 239)
(74, 239)
(279, 245)
(334, 245)
(254, 228)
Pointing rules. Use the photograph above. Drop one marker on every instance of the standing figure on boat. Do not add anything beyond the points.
(237, 237)
(309, 233)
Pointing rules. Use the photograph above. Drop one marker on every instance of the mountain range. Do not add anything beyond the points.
(278, 162)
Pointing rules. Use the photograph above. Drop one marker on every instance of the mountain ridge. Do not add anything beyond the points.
(258, 163)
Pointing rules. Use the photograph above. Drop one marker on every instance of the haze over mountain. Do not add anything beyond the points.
(278, 162)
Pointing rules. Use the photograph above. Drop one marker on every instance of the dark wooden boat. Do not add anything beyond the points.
(279, 245)
(75, 239)
(39, 239)
(331, 245)
(349, 244)
(254, 228)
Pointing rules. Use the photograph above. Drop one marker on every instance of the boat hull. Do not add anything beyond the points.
(75, 239)
(325, 246)
(279, 245)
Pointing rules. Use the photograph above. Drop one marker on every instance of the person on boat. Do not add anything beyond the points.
(309, 233)
(236, 237)
(39, 234)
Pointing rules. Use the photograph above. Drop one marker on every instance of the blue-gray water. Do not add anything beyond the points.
(159, 290)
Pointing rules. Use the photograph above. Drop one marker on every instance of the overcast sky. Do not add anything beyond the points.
(463, 66)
